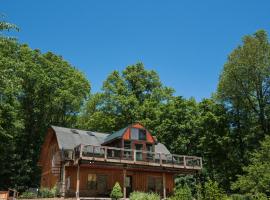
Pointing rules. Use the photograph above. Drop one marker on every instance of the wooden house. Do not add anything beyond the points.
(88, 164)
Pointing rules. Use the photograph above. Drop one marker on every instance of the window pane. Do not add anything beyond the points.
(92, 181)
(127, 145)
(142, 134)
(134, 133)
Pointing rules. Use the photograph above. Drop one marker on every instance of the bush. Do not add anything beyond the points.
(46, 193)
(241, 197)
(144, 196)
(212, 191)
(259, 196)
(28, 195)
(183, 193)
(116, 191)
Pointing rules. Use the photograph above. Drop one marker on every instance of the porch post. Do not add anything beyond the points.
(124, 183)
(63, 185)
(78, 182)
(164, 185)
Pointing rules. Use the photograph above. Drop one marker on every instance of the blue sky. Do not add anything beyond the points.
(186, 42)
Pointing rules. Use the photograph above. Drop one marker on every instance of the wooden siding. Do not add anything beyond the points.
(139, 180)
(49, 178)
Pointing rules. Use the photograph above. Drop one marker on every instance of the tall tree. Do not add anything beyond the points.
(244, 83)
(38, 90)
(133, 95)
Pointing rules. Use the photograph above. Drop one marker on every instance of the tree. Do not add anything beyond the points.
(244, 87)
(36, 90)
(116, 191)
(134, 95)
(256, 177)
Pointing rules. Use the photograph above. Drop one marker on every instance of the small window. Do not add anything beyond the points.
(149, 147)
(127, 145)
(134, 133)
(142, 134)
(138, 134)
(92, 181)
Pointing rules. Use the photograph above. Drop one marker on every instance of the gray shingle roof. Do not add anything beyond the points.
(116, 134)
(69, 138)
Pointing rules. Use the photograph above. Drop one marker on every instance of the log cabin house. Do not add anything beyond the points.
(88, 164)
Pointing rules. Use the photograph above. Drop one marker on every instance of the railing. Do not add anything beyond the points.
(113, 154)
(67, 155)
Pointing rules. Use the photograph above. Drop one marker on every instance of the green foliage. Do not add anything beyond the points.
(182, 193)
(28, 195)
(116, 191)
(144, 196)
(212, 191)
(133, 95)
(257, 175)
(36, 90)
(241, 197)
(47, 193)
(244, 89)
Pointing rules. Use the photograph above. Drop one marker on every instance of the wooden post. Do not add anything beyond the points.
(164, 185)
(105, 153)
(185, 164)
(63, 188)
(124, 183)
(78, 182)
(134, 156)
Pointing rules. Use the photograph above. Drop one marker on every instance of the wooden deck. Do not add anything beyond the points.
(130, 156)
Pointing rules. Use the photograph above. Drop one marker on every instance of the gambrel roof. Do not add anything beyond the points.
(68, 138)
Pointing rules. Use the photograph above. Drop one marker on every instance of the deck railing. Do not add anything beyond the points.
(120, 155)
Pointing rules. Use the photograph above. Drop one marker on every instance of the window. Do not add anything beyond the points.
(127, 145)
(127, 153)
(150, 148)
(138, 134)
(154, 184)
(142, 134)
(139, 154)
(92, 181)
(134, 133)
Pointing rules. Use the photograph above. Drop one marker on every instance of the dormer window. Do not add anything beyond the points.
(138, 134)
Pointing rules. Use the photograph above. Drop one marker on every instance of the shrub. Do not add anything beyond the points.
(241, 197)
(28, 195)
(46, 193)
(183, 193)
(55, 191)
(238, 197)
(144, 196)
(116, 191)
(212, 191)
(259, 196)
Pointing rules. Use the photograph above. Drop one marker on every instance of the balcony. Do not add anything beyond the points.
(136, 157)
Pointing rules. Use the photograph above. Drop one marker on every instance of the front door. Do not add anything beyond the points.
(128, 184)
(102, 185)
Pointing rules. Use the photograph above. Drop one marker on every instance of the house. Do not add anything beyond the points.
(88, 164)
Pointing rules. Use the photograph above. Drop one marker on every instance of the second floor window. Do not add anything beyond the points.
(138, 134)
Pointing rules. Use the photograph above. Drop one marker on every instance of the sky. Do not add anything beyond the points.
(186, 41)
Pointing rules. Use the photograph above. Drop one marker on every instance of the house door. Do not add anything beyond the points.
(128, 184)
(102, 185)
